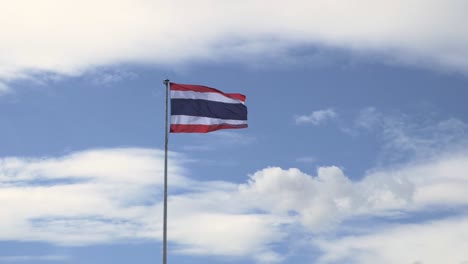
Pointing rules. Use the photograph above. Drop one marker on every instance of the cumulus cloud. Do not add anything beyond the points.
(69, 37)
(318, 202)
(322, 201)
(316, 117)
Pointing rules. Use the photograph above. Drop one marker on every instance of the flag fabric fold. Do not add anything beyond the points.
(201, 109)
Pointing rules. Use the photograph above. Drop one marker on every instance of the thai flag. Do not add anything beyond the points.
(201, 109)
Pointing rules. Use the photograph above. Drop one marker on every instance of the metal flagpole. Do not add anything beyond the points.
(166, 82)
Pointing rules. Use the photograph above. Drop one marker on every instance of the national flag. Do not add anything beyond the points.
(201, 109)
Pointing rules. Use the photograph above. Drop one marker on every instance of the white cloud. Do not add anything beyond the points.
(435, 182)
(319, 201)
(226, 234)
(117, 165)
(433, 242)
(69, 37)
(316, 117)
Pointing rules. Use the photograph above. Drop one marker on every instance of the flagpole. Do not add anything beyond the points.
(166, 141)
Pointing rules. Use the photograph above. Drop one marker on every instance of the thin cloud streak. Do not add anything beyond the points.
(8, 259)
(317, 117)
(306, 159)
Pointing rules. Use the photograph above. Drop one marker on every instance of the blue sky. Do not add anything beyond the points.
(356, 150)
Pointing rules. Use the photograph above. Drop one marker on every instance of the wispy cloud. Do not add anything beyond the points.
(108, 77)
(404, 137)
(219, 139)
(306, 159)
(397, 31)
(369, 118)
(8, 259)
(441, 241)
(316, 117)
(4, 89)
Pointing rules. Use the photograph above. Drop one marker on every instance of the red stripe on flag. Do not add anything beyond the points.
(205, 89)
(202, 128)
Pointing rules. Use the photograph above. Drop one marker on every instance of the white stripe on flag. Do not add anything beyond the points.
(216, 97)
(198, 120)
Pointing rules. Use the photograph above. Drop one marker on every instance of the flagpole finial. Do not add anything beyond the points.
(166, 81)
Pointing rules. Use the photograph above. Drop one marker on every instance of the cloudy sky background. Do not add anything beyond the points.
(356, 150)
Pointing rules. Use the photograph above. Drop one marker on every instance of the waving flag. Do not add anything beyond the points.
(201, 109)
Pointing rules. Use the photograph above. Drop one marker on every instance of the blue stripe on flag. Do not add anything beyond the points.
(196, 107)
